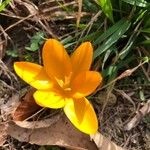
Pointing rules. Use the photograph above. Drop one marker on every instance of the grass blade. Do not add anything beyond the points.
(140, 3)
(109, 32)
(106, 8)
(4, 4)
(112, 39)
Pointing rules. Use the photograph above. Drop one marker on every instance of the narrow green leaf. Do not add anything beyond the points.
(140, 3)
(123, 53)
(110, 72)
(90, 6)
(146, 42)
(115, 67)
(147, 30)
(69, 44)
(90, 36)
(109, 32)
(110, 51)
(107, 54)
(4, 4)
(66, 40)
(106, 8)
(141, 15)
(112, 39)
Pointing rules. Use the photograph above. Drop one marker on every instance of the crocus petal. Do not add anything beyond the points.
(49, 99)
(56, 60)
(33, 74)
(81, 113)
(85, 83)
(81, 59)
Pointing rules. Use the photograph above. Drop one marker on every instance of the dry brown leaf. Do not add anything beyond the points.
(61, 133)
(53, 131)
(26, 108)
(145, 110)
(9, 107)
(3, 133)
(104, 143)
(40, 123)
(28, 7)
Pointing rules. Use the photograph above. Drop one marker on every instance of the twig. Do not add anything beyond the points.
(93, 19)
(126, 96)
(79, 12)
(18, 22)
(126, 73)
(138, 117)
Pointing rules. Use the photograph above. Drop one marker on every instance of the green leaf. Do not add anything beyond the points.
(38, 36)
(33, 47)
(36, 41)
(146, 42)
(140, 3)
(110, 31)
(29, 57)
(12, 53)
(66, 40)
(147, 30)
(111, 72)
(69, 44)
(107, 54)
(112, 39)
(92, 36)
(141, 15)
(4, 4)
(146, 59)
(106, 8)
(123, 53)
(89, 6)
(124, 62)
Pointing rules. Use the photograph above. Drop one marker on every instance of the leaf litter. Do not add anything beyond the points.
(3, 133)
(56, 134)
(51, 131)
(26, 108)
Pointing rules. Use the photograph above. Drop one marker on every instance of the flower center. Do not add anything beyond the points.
(66, 85)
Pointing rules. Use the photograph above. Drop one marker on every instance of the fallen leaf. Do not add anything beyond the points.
(28, 7)
(26, 108)
(3, 133)
(39, 123)
(9, 107)
(56, 130)
(61, 133)
(104, 143)
(140, 114)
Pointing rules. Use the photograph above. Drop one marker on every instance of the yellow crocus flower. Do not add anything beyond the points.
(63, 82)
